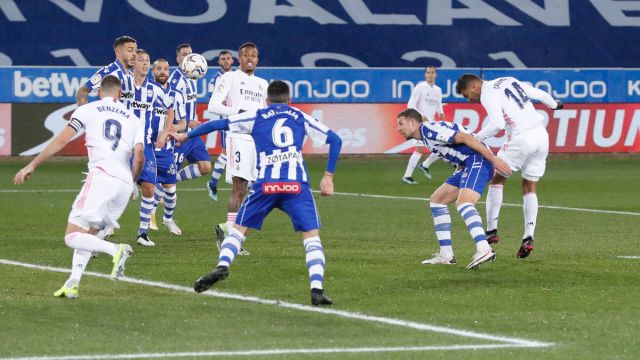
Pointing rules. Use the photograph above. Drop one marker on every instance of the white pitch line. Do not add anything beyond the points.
(628, 257)
(340, 313)
(375, 196)
(268, 352)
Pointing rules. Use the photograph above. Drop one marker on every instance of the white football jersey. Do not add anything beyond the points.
(427, 99)
(509, 107)
(236, 92)
(111, 132)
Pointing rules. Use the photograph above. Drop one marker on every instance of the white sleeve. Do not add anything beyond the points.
(415, 96)
(491, 103)
(139, 138)
(539, 95)
(223, 86)
(242, 123)
(315, 129)
(78, 118)
(440, 109)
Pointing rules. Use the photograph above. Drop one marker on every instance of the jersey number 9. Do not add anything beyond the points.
(113, 132)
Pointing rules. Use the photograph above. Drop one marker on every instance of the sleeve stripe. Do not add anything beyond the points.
(75, 124)
(315, 127)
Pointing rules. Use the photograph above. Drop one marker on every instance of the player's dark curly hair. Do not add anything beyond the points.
(464, 81)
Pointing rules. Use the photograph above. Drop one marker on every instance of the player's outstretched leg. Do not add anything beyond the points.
(79, 263)
(119, 259)
(315, 264)
(530, 210)
(473, 221)
(228, 252)
(442, 223)
(424, 166)
(218, 169)
(188, 172)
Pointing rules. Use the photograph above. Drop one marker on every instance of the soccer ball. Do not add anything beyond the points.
(194, 66)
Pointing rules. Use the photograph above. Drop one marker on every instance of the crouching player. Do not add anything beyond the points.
(283, 182)
(475, 165)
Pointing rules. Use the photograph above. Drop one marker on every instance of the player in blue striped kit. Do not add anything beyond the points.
(475, 165)
(165, 160)
(125, 49)
(283, 182)
(194, 151)
(149, 98)
(225, 60)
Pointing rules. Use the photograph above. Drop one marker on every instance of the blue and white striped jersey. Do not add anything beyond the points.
(279, 131)
(189, 90)
(438, 138)
(148, 99)
(160, 116)
(212, 83)
(116, 69)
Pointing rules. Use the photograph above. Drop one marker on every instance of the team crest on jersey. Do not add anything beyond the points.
(95, 79)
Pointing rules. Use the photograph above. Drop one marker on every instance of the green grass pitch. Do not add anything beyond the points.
(574, 291)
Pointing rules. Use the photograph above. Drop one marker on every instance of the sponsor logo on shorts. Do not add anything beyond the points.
(281, 188)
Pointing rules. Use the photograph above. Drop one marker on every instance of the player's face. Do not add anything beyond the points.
(183, 53)
(126, 53)
(430, 75)
(161, 72)
(225, 61)
(472, 92)
(407, 127)
(141, 67)
(248, 58)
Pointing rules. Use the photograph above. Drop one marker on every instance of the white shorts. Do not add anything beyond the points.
(242, 159)
(101, 201)
(527, 152)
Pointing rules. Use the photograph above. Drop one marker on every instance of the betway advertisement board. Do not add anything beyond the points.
(307, 33)
(367, 128)
(346, 85)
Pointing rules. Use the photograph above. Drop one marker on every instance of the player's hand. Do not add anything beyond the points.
(179, 138)
(326, 184)
(501, 167)
(135, 193)
(559, 106)
(193, 124)
(22, 175)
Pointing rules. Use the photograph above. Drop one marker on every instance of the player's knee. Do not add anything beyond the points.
(68, 239)
(204, 167)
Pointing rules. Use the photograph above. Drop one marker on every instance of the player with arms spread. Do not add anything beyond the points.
(113, 136)
(509, 107)
(283, 182)
(475, 164)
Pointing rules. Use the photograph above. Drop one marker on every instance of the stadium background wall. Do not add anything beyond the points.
(602, 112)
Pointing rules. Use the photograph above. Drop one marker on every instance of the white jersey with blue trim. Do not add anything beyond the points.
(427, 99)
(149, 98)
(189, 90)
(439, 136)
(111, 132)
(210, 88)
(115, 69)
(279, 131)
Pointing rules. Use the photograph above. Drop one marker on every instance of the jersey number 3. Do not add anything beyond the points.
(113, 132)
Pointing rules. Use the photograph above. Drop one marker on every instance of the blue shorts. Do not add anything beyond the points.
(166, 167)
(192, 150)
(475, 175)
(149, 173)
(299, 205)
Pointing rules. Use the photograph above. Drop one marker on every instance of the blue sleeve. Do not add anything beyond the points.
(335, 144)
(208, 127)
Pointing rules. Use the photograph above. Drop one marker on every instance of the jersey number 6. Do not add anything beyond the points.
(282, 135)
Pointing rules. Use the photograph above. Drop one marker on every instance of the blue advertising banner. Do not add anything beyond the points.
(309, 33)
(346, 85)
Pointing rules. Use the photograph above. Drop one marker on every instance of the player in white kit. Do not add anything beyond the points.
(509, 107)
(426, 97)
(236, 92)
(113, 135)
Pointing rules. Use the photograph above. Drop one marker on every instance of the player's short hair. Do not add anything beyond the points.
(278, 92)
(182, 46)
(159, 61)
(248, 44)
(121, 40)
(465, 81)
(411, 114)
(141, 52)
(110, 83)
(429, 66)
(224, 52)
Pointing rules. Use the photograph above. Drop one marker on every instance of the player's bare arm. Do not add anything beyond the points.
(473, 143)
(82, 95)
